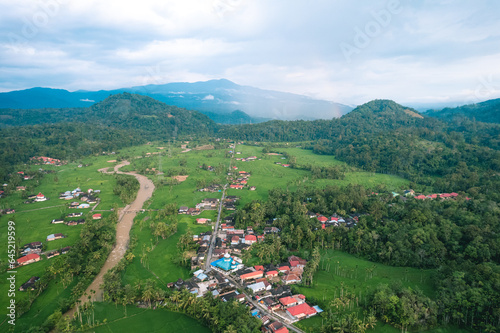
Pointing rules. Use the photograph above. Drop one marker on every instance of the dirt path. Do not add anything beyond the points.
(125, 221)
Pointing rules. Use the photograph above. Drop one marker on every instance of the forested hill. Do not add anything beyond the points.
(488, 112)
(372, 117)
(144, 115)
(118, 121)
(383, 136)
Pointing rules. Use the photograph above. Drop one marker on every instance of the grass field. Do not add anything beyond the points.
(340, 272)
(143, 320)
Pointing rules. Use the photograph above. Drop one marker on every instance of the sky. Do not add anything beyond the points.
(339, 50)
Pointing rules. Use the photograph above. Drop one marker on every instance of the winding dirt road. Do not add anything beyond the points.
(125, 221)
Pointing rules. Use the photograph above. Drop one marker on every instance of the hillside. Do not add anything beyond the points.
(214, 97)
(149, 117)
(488, 112)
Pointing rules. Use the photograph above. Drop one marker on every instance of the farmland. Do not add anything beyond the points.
(156, 258)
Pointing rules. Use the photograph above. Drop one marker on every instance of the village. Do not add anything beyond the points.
(266, 289)
(35, 251)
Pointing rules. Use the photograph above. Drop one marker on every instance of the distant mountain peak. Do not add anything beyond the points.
(218, 96)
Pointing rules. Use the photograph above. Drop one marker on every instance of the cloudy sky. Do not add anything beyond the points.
(341, 50)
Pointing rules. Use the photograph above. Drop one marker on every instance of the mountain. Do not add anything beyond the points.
(488, 112)
(210, 97)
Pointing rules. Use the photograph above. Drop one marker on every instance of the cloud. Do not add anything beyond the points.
(428, 50)
(208, 98)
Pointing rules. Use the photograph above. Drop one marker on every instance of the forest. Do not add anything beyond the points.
(458, 237)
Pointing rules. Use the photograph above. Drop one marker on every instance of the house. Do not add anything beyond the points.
(30, 284)
(20, 188)
(251, 275)
(183, 210)
(250, 239)
(58, 221)
(193, 211)
(271, 230)
(65, 250)
(37, 245)
(288, 301)
(236, 187)
(52, 237)
(271, 274)
(322, 219)
(96, 216)
(276, 327)
(52, 254)
(253, 188)
(297, 262)
(83, 206)
(301, 311)
(202, 221)
(235, 240)
(291, 279)
(28, 259)
(258, 287)
(40, 197)
(284, 269)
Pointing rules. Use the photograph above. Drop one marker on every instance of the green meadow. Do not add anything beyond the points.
(342, 273)
(142, 320)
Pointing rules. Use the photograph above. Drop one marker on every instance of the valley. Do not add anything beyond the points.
(368, 229)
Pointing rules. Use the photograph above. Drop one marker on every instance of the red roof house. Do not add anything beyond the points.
(96, 216)
(250, 239)
(271, 274)
(303, 310)
(297, 262)
(288, 301)
(259, 268)
(30, 258)
(322, 219)
(252, 275)
(284, 269)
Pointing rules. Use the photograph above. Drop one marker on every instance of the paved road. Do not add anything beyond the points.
(208, 257)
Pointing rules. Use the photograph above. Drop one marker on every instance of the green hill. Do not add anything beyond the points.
(488, 112)
(144, 115)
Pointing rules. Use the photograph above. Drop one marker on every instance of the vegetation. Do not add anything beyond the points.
(485, 112)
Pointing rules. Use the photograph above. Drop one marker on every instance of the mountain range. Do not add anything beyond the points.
(213, 98)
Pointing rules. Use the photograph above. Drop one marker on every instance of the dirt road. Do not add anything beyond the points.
(126, 218)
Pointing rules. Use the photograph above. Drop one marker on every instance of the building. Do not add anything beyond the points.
(297, 262)
(30, 284)
(52, 237)
(226, 264)
(271, 274)
(28, 259)
(96, 216)
(258, 287)
(40, 197)
(301, 311)
(251, 275)
(250, 239)
(235, 240)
